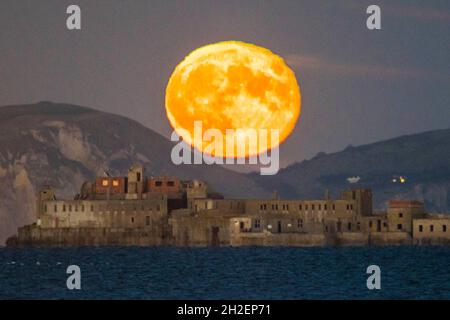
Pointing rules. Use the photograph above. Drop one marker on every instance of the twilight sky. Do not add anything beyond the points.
(358, 86)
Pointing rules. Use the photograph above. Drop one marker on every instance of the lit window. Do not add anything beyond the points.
(104, 183)
(115, 183)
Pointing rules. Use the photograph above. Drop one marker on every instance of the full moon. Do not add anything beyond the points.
(233, 85)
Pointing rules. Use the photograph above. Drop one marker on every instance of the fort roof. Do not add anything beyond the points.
(404, 203)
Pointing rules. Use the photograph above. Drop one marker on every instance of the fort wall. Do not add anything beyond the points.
(141, 211)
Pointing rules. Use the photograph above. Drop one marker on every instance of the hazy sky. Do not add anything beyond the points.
(358, 86)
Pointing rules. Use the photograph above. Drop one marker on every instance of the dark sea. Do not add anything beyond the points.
(226, 273)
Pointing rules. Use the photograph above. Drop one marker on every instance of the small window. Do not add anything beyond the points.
(306, 207)
(431, 228)
(276, 207)
(399, 226)
(421, 228)
(147, 220)
(370, 224)
(334, 207)
(444, 228)
(132, 219)
(325, 207)
(170, 183)
(257, 223)
(400, 215)
(312, 207)
(82, 208)
(158, 183)
(300, 223)
(105, 182)
(320, 207)
(349, 226)
(300, 207)
(115, 183)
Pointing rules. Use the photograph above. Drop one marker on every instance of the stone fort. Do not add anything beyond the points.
(153, 211)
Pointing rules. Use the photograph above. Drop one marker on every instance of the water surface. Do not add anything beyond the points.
(226, 273)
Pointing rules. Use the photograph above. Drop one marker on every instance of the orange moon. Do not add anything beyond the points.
(233, 85)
